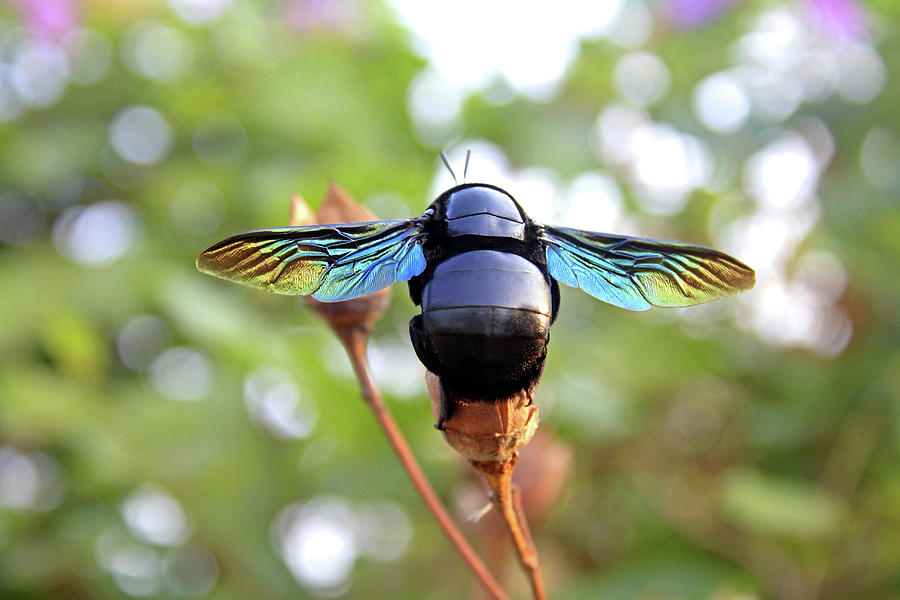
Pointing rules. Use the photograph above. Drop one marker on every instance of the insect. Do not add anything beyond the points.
(485, 275)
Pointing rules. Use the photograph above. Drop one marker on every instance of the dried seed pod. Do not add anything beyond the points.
(301, 213)
(484, 431)
(340, 207)
(347, 316)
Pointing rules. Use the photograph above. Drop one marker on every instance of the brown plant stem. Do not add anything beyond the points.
(499, 478)
(355, 340)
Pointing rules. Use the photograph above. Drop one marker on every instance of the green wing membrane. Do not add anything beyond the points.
(637, 273)
(328, 262)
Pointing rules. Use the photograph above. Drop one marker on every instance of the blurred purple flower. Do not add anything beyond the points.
(305, 15)
(685, 14)
(838, 18)
(49, 19)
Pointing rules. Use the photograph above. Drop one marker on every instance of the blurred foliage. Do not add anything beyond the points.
(155, 423)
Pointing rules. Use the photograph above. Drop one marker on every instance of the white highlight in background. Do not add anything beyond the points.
(182, 374)
(274, 400)
(642, 77)
(96, 235)
(721, 102)
(140, 134)
(156, 517)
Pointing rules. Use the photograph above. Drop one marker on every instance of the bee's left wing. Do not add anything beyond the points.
(329, 262)
(637, 273)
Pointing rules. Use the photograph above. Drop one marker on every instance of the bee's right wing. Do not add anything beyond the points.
(328, 262)
(637, 273)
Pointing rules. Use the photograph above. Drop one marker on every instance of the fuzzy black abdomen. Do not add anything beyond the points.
(485, 323)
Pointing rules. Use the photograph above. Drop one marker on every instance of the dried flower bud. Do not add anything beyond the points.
(340, 207)
(485, 431)
(347, 316)
(301, 213)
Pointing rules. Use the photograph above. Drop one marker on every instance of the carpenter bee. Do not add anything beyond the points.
(485, 275)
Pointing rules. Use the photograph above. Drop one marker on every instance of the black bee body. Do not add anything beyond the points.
(484, 274)
(486, 296)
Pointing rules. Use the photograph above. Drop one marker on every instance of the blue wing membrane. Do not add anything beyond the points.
(328, 262)
(637, 273)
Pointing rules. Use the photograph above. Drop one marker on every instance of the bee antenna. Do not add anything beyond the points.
(466, 167)
(447, 164)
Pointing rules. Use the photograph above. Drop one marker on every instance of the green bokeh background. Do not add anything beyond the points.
(708, 462)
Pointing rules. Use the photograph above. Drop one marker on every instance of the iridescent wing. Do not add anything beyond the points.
(637, 273)
(328, 262)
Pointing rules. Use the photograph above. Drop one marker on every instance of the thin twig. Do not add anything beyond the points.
(355, 340)
(520, 513)
(499, 478)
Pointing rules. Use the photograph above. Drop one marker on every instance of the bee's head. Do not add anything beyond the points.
(480, 209)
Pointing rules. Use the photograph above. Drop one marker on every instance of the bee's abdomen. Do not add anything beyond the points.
(487, 315)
